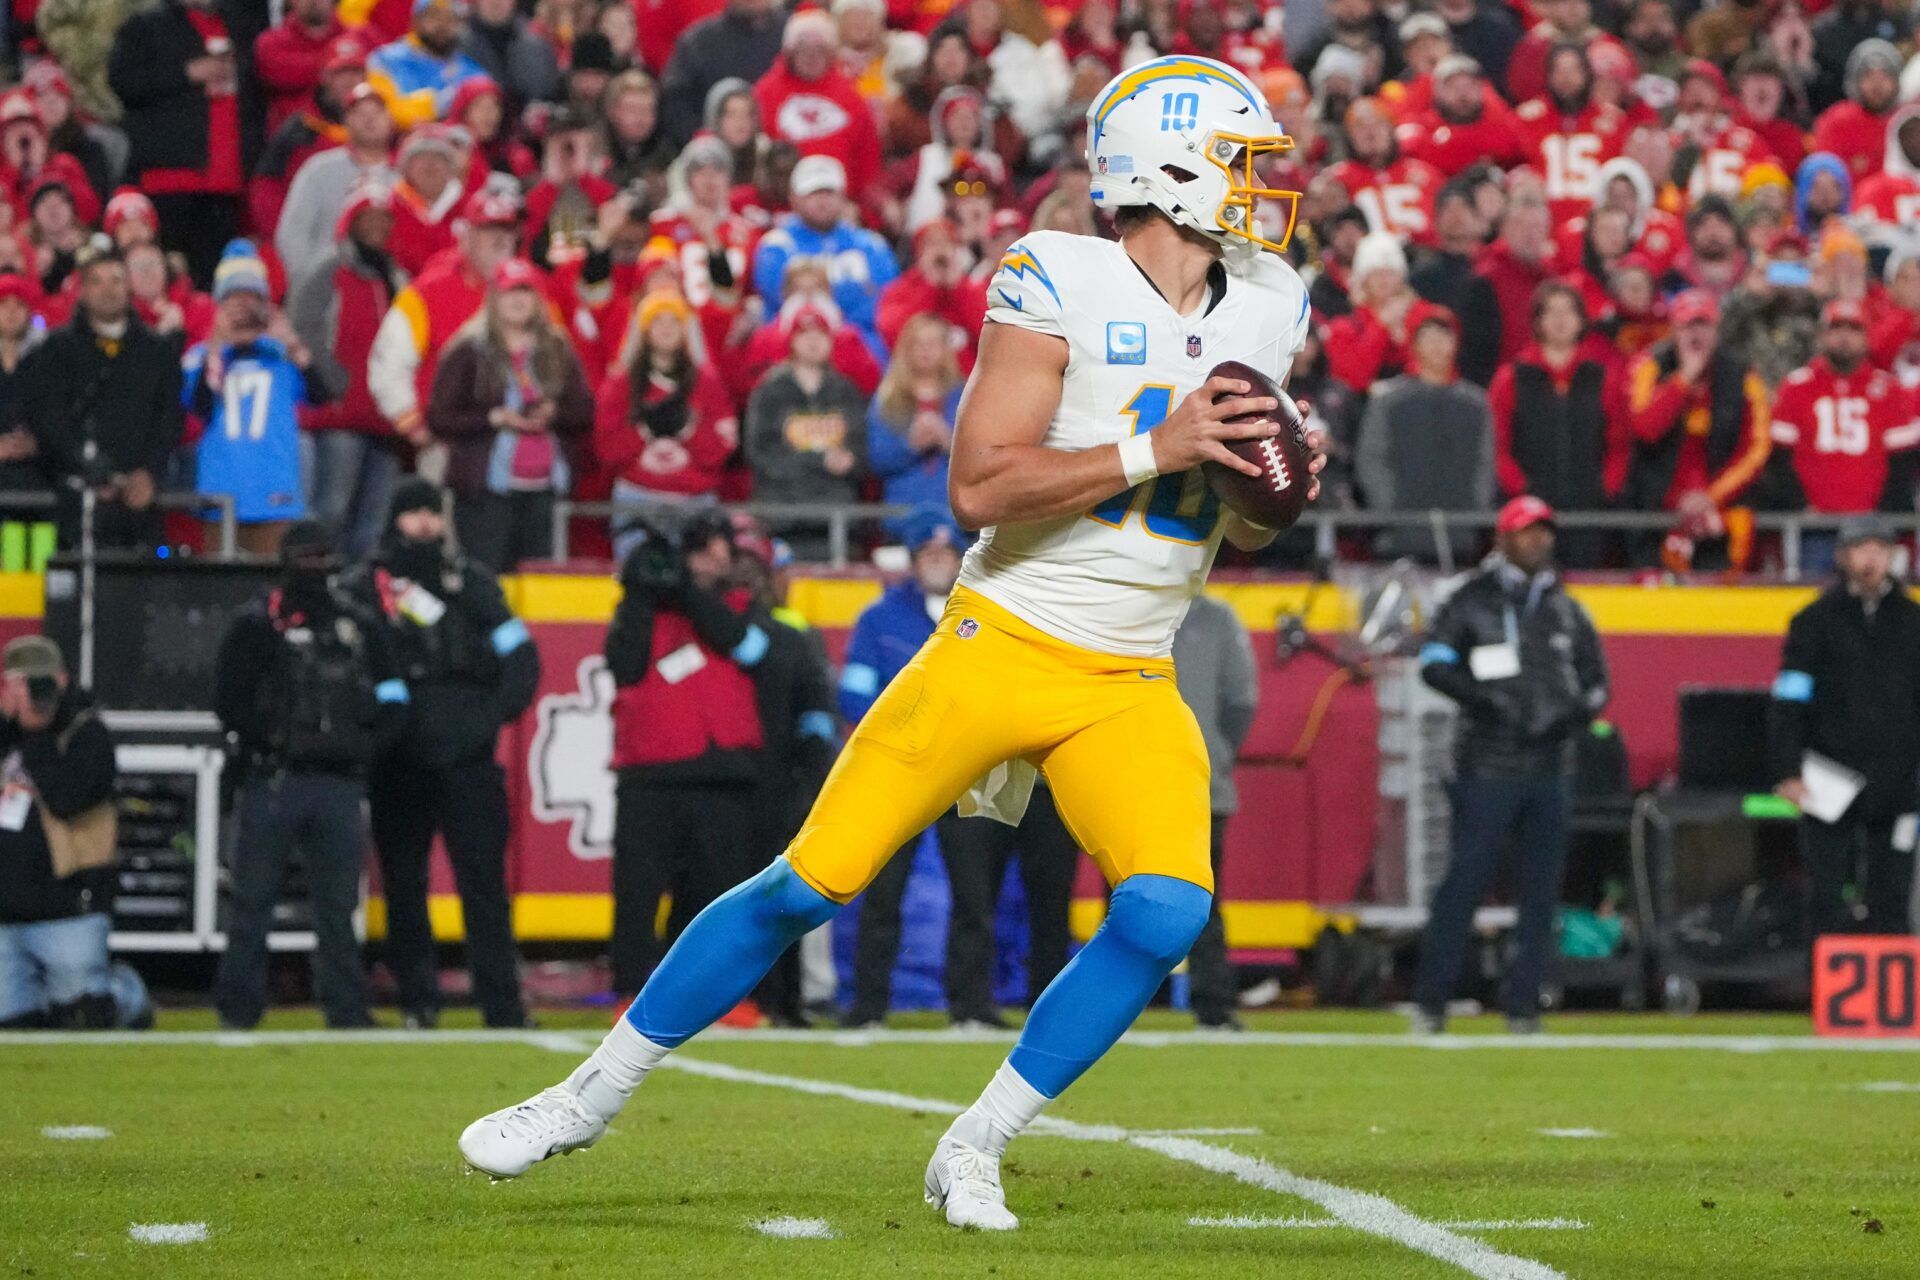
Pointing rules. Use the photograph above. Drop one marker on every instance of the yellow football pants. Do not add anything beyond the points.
(1121, 751)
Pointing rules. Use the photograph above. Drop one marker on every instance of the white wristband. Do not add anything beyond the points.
(1136, 459)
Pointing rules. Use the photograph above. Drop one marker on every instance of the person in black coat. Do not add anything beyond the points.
(107, 378)
(471, 669)
(1849, 690)
(183, 70)
(1522, 659)
(741, 41)
(307, 687)
(1445, 277)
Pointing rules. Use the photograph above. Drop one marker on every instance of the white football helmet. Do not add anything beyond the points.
(1182, 134)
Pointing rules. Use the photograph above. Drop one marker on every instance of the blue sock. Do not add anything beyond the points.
(1150, 926)
(725, 952)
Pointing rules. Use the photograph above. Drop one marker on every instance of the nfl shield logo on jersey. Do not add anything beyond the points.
(1193, 346)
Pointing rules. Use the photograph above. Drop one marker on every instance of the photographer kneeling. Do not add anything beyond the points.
(57, 838)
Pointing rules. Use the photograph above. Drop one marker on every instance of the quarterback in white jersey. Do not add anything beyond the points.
(1078, 450)
(1117, 578)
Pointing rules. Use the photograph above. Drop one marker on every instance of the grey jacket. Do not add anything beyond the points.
(314, 200)
(1214, 661)
(1424, 447)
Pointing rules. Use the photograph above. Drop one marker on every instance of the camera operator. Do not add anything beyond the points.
(107, 376)
(57, 840)
(688, 745)
(307, 685)
(472, 668)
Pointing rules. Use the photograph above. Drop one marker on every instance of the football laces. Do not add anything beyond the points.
(1276, 462)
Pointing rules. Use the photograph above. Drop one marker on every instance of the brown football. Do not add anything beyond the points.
(1276, 497)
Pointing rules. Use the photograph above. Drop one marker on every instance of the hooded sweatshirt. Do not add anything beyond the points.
(824, 117)
(1886, 206)
(1847, 128)
(1810, 169)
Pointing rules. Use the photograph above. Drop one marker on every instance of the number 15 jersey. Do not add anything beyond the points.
(1118, 578)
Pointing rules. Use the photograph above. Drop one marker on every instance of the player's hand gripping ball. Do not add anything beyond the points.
(1275, 498)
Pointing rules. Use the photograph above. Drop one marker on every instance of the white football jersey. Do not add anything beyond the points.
(1118, 578)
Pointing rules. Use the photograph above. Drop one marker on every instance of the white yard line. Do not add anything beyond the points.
(1888, 1086)
(795, 1228)
(1362, 1211)
(862, 1039)
(1230, 1131)
(167, 1232)
(1573, 1133)
(75, 1132)
(1244, 1222)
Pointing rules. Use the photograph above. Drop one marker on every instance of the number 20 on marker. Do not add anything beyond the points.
(1866, 986)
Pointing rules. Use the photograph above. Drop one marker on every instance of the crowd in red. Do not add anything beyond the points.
(1640, 254)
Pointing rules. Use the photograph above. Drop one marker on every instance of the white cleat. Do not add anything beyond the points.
(509, 1142)
(965, 1182)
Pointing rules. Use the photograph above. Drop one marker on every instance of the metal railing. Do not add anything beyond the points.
(839, 521)
(49, 500)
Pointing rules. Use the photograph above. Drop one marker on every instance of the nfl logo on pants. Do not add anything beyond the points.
(967, 629)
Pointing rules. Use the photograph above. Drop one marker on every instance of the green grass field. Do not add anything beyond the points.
(1360, 1153)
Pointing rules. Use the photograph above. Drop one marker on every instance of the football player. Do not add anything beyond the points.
(1077, 454)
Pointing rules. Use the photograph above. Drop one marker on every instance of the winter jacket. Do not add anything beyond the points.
(288, 59)
(1514, 279)
(520, 62)
(1522, 724)
(167, 116)
(859, 265)
(682, 660)
(1849, 688)
(79, 34)
(885, 637)
(417, 86)
(1449, 280)
(1727, 413)
(69, 767)
(422, 230)
(305, 133)
(422, 320)
(1361, 350)
(1425, 447)
(962, 305)
(472, 670)
(824, 117)
(1218, 679)
(725, 46)
(336, 308)
(1556, 431)
(130, 388)
(906, 476)
(471, 381)
(311, 211)
(789, 433)
(676, 440)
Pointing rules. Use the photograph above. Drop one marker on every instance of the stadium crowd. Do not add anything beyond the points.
(1647, 256)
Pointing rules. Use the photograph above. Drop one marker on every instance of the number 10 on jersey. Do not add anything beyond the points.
(1179, 507)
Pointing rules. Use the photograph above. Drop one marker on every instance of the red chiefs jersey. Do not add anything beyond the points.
(1855, 134)
(1453, 148)
(1724, 160)
(1397, 198)
(1841, 429)
(1889, 197)
(1569, 150)
(671, 232)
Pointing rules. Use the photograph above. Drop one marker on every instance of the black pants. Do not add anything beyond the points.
(115, 524)
(1210, 977)
(1853, 852)
(502, 529)
(976, 852)
(1486, 812)
(467, 805)
(318, 817)
(694, 840)
(198, 226)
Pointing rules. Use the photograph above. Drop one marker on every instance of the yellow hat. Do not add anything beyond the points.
(1764, 174)
(1838, 240)
(658, 303)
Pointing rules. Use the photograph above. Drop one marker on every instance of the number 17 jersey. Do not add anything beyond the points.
(1119, 577)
